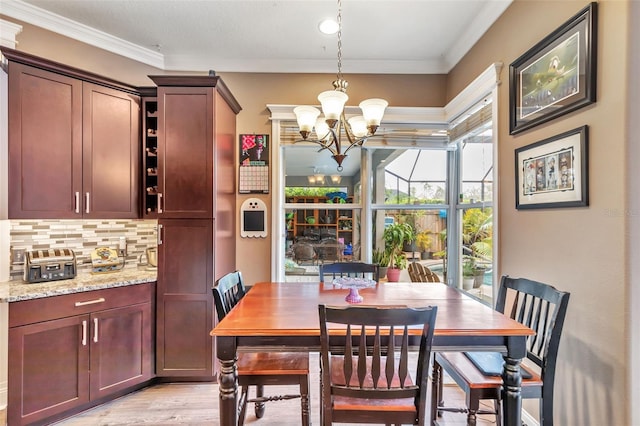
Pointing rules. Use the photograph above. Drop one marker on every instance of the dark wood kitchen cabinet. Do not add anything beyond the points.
(71, 352)
(196, 135)
(73, 143)
(110, 153)
(196, 218)
(150, 196)
(185, 301)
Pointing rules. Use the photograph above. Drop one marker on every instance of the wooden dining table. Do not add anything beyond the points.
(283, 316)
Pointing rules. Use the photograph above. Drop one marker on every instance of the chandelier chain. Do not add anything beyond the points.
(356, 130)
(339, 76)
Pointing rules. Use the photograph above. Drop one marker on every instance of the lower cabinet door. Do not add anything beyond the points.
(184, 308)
(49, 371)
(121, 349)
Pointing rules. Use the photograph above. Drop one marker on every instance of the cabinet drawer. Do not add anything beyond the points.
(48, 308)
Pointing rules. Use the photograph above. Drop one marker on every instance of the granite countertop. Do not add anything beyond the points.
(14, 291)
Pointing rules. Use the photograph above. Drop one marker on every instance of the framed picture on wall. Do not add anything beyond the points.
(553, 172)
(557, 75)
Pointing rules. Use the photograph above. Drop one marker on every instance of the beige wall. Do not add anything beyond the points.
(580, 250)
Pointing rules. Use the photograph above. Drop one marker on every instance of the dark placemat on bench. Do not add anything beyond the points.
(490, 363)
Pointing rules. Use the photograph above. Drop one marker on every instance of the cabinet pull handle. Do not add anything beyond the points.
(90, 302)
(77, 201)
(159, 234)
(86, 196)
(159, 202)
(84, 333)
(95, 330)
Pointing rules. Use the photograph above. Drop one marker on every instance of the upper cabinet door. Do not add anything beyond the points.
(111, 153)
(45, 144)
(74, 148)
(185, 152)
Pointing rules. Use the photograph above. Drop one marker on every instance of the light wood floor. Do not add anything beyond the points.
(197, 404)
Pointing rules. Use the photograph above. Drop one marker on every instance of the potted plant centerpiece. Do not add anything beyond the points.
(395, 236)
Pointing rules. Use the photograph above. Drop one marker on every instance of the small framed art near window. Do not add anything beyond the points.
(553, 172)
(557, 75)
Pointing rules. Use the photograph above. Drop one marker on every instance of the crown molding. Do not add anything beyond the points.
(490, 13)
(474, 92)
(433, 116)
(50, 21)
(8, 33)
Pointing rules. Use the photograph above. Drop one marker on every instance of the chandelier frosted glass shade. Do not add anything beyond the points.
(358, 126)
(306, 116)
(373, 110)
(332, 102)
(322, 130)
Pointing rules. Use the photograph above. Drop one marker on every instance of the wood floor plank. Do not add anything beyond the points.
(196, 404)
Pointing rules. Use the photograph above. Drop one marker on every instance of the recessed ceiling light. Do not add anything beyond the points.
(328, 26)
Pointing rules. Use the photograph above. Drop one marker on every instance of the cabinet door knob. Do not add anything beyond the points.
(86, 197)
(159, 234)
(77, 202)
(159, 202)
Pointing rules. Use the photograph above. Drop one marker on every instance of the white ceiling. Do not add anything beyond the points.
(378, 36)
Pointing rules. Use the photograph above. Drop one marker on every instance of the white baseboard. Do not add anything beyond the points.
(528, 419)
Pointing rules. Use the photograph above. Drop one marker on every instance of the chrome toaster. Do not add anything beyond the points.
(49, 265)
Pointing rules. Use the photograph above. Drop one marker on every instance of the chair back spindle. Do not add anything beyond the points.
(541, 308)
(227, 293)
(348, 269)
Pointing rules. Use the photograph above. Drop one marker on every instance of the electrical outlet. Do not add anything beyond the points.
(122, 247)
(17, 255)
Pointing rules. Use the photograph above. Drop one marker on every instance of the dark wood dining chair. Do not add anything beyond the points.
(261, 369)
(540, 307)
(349, 269)
(366, 377)
(422, 274)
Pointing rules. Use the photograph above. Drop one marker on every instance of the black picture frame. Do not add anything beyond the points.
(553, 172)
(557, 75)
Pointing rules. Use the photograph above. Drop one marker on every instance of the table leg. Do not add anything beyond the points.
(512, 379)
(228, 381)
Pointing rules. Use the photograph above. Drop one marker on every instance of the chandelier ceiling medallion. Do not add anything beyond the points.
(329, 130)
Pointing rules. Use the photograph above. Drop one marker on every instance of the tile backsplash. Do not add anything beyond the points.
(82, 236)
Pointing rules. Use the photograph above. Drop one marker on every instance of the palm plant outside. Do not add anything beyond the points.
(477, 234)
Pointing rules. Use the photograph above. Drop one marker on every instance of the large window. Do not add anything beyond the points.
(439, 190)
(410, 186)
(474, 243)
(431, 168)
(322, 211)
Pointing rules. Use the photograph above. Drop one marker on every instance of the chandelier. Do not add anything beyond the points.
(330, 129)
